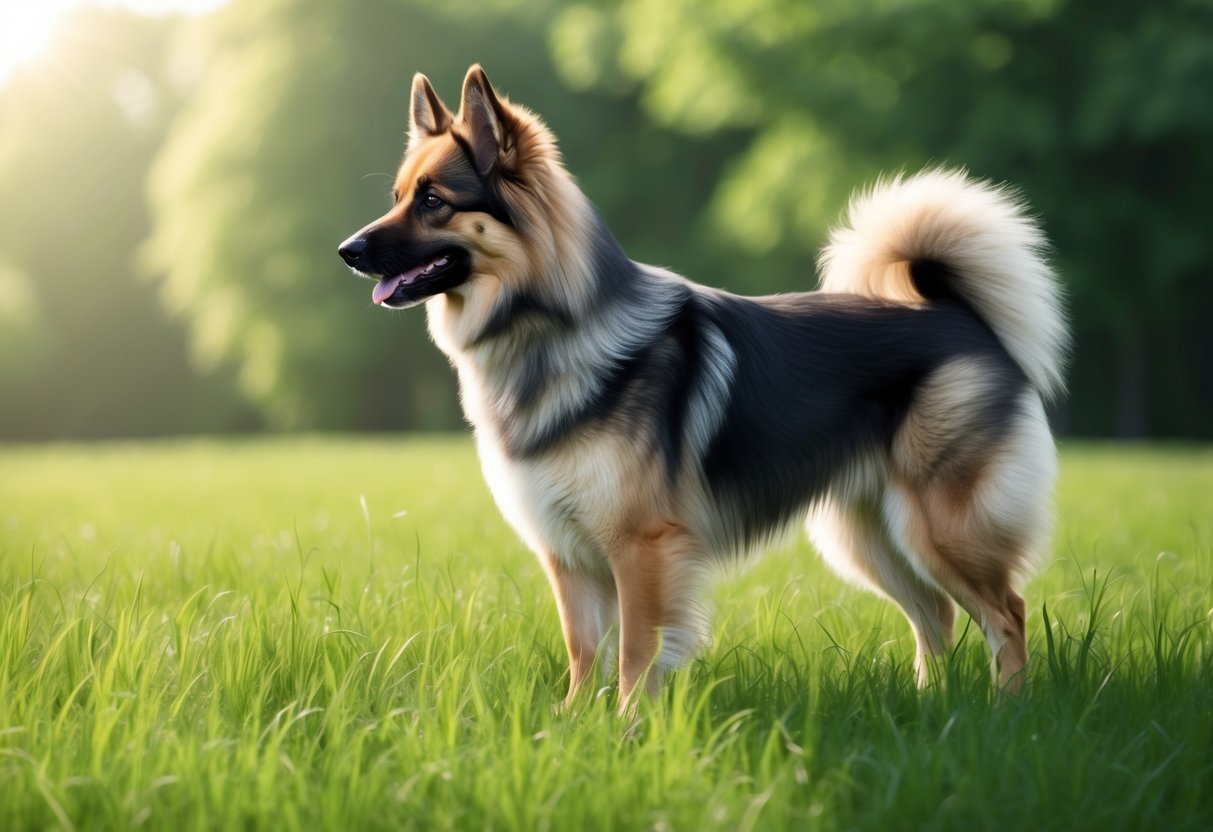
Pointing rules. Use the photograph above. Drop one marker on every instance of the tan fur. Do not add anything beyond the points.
(618, 515)
(971, 561)
(940, 431)
(515, 258)
(889, 280)
(855, 541)
(645, 562)
(425, 157)
(943, 508)
(956, 515)
(588, 606)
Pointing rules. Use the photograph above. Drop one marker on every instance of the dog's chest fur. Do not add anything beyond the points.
(565, 470)
(567, 501)
(562, 500)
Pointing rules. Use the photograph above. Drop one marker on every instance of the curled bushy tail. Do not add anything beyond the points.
(943, 232)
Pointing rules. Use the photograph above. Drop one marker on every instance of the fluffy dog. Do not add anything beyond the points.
(636, 428)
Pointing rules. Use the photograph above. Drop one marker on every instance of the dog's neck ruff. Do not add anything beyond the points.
(549, 349)
(549, 370)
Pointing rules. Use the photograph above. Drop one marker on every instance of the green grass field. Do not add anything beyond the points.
(343, 634)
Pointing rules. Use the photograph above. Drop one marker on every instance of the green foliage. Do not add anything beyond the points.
(84, 346)
(322, 634)
(291, 144)
(1093, 108)
(249, 215)
(718, 137)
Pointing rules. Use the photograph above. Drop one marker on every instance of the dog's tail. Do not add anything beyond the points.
(941, 233)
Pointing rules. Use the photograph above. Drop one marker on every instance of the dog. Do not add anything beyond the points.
(636, 428)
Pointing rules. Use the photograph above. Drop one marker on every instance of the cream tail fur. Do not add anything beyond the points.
(982, 234)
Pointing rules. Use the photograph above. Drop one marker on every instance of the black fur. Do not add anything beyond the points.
(686, 337)
(476, 191)
(617, 274)
(821, 378)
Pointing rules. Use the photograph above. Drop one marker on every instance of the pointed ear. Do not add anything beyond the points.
(428, 116)
(485, 118)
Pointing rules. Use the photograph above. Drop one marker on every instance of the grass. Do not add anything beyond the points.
(343, 634)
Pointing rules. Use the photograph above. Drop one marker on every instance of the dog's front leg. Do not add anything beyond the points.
(652, 570)
(586, 603)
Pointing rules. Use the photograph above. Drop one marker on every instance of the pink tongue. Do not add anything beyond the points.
(384, 288)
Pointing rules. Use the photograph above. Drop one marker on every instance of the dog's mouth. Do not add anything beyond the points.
(441, 273)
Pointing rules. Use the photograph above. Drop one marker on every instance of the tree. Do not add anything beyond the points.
(85, 349)
(290, 144)
(1096, 109)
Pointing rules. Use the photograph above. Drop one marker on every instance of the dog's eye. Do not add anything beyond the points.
(432, 201)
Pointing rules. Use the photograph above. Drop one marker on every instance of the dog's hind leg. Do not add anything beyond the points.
(976, 524)
(852, 538)
(972, 566)
(587, 606)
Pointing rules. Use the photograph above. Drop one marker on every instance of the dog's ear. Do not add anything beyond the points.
(487, 119)
(428, 116)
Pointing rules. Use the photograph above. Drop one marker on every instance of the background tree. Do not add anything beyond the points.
(291, 144)
(1096, 109)
(85, 348)
(719, 137)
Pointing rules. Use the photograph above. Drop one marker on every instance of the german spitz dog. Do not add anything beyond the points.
(637, 428)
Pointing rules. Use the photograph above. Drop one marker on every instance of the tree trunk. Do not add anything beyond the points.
(1131, 402)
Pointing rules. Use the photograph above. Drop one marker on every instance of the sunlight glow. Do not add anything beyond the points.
(27, 27)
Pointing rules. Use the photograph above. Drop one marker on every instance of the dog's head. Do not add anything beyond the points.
(466, 193)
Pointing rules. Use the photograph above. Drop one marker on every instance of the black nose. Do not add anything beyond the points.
(351, 250)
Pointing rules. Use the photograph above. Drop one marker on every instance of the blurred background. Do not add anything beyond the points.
(175, 176)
